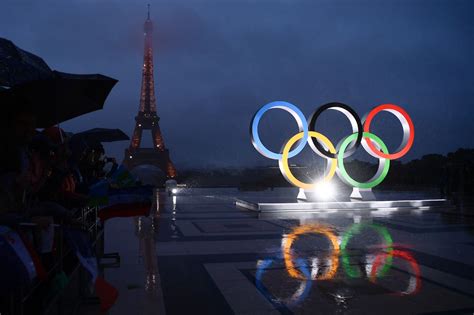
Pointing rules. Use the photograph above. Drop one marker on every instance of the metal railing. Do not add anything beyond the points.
(39, 297)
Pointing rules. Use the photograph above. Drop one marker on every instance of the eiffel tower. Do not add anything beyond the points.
(147, 118)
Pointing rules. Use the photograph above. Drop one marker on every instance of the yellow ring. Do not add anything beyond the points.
(306, 229)
(285, 168)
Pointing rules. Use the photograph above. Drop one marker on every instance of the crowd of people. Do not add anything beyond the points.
(45, 177)
(45, 173)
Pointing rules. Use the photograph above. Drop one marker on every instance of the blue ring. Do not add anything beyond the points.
(291, 109)
(302, 266)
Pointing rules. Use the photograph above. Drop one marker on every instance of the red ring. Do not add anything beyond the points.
(403, 255)
(405, 115)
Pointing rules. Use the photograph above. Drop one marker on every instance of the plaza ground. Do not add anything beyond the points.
(200, 253)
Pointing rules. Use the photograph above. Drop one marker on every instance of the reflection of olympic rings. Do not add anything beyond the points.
(300, 294)
(315, 229)
(414, 284)
(356, 229)
(323, 146)
(298, 268)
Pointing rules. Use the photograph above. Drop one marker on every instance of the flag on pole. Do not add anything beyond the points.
(125, 210)
(127, 202)
(82, 247)
(120, 196)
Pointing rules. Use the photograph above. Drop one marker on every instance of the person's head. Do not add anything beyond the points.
(60, 141)
(78, 148)
(42, 145)
(55, 134)
(98, 151)
(18, 121)
(23, 127)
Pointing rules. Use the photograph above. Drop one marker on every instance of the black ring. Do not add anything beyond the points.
(346, 110)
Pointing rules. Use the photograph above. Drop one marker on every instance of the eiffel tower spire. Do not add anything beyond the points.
(147, 97)
(147, 118)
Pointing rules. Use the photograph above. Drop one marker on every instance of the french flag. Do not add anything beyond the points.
(127, 202)
(123, 210)
(79, 242)
(20, 264)
(121, 202)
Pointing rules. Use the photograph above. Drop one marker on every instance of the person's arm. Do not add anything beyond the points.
(114, 166)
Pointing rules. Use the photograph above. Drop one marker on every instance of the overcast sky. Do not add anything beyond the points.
(218, 61)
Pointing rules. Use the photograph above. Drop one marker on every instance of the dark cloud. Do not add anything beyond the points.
(217, 62)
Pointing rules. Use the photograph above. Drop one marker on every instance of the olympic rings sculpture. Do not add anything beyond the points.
(323, 147)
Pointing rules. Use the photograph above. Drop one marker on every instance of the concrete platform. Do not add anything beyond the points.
(341, 205)
(202, 247)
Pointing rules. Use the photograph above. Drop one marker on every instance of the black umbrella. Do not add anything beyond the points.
(102, 135)
(18, 66)
(64, 97)
(52, 96)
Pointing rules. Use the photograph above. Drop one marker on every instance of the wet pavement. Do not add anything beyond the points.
(200, 253)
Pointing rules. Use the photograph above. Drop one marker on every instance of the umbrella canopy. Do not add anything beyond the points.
(102, 135)
(53, 97)
(18, 66)
(64, 97)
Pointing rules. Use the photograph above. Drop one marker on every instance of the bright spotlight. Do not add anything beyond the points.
(325, 190)
(174, 190)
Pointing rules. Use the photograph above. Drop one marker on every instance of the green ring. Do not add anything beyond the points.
(342, 171)
(355, 229)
